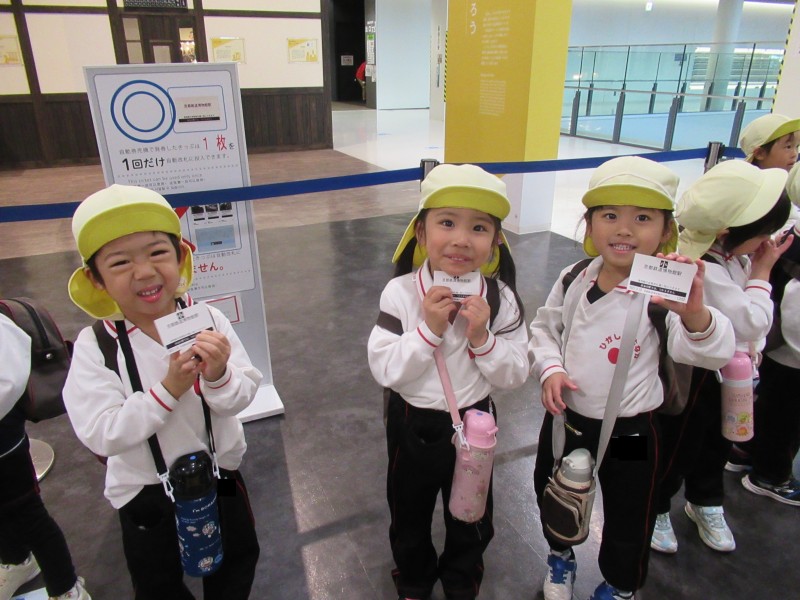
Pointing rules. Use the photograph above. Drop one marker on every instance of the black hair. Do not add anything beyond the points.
(766, 225)
(506, 270)
(767, 147)
(91, 262)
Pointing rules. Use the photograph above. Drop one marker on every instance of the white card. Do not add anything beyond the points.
(660, 277)
(462, 286)
(178, 330)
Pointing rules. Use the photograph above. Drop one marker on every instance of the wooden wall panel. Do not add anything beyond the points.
(19, 142)
(69, 122)
(274, 120)
(286, 119)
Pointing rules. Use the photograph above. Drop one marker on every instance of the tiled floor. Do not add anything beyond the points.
(317, 474)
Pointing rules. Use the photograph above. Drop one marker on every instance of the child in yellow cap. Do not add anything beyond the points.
(135, 270)
(575, 346)
(728, 217)
(770, 141)
(457, 232)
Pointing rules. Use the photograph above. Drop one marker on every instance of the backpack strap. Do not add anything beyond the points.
(107, 344)
(568, 278)
(492, 298)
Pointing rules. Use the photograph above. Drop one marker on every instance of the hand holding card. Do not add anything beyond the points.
(659, 276)
(462, 286)
(179, 329)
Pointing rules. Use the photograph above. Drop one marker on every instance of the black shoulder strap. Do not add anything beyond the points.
(568, 278)
(108, 347)
(708, 257)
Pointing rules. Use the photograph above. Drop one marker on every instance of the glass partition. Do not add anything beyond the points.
(668, 96)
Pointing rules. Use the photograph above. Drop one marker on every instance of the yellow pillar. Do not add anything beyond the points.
(506, 61)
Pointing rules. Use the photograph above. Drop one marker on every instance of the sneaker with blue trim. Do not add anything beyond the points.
(560, 577)
(712, 527)
(787, 493)
(664, 539)
(606, 591)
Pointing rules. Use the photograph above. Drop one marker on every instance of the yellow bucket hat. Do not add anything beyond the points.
(764, 130)
(110, 214)
(459, 186)
(632, 181)
(730, 194)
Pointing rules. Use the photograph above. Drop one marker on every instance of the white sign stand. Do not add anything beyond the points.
(178, 128)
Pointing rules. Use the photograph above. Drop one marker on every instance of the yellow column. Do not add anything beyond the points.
(506, 61)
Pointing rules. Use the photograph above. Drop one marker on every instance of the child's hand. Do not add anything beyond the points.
(214, 350)
(695, 315)
(476, 311)
(182, 373)
(437, 306)
(766, 256)
(551, 392)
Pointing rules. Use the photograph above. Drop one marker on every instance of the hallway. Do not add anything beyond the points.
(316, 475)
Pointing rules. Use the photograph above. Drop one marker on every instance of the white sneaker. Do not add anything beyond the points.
(664, 539)
(13, 577)
(78, 592)
(711, 525)
(560, 577)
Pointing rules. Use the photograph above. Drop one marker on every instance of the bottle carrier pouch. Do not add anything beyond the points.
(567, 512)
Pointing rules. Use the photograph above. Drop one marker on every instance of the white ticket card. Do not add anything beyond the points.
(178, 330)
(660, 277)
(462, 286)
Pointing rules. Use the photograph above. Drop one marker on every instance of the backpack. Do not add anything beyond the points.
(50, 359)
(675, 377)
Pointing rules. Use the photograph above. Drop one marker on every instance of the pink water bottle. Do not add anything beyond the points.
(473, 471)
(737, 398)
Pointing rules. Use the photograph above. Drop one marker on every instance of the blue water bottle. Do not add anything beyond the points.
(196, 513)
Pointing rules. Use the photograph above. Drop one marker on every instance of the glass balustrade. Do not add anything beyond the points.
(668, 97)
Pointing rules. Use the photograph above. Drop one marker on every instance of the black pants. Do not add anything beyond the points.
(421, 464)
(26, 526)
(628, 477)
(693, 447)
(777, 422)
(150, 541)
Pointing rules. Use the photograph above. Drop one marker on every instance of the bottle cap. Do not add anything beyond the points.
(480, 428)
(192, 474)
(577, 466)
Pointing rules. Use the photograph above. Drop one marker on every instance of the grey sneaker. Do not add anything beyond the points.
(787, 493)
(664, 539)
(13, 577)
(711, 526)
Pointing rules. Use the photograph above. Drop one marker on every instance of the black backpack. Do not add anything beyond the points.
(675, 377)
(50, 358)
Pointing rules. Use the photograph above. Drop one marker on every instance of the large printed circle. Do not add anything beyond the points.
(143, 111)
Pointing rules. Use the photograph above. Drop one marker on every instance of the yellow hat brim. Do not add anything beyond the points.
(99, 305)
